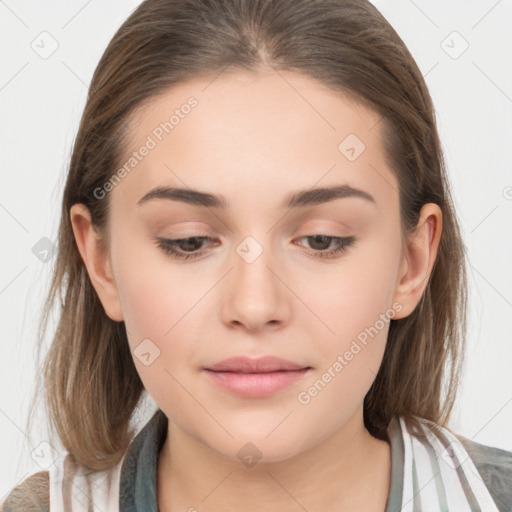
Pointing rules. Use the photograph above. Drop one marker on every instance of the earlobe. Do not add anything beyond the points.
(96, 260)
(418, 259)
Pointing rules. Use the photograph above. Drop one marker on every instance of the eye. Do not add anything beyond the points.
(321, 242)
(190, 248)
(182, 248)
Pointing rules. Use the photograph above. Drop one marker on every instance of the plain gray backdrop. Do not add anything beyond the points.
(49, 52)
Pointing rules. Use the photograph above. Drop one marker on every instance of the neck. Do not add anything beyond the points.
(350, 470)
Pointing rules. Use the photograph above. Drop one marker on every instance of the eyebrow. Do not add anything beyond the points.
(300, 198)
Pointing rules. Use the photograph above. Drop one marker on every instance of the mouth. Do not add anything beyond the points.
(255, 378)
(265, 364)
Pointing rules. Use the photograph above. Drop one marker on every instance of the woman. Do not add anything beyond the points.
(257, 230)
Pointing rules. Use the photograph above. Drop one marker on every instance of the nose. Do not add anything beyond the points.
(254, 296)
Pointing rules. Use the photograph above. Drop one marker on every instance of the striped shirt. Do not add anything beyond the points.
(432, 470)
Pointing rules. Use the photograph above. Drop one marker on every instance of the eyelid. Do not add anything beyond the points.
(326, 224)
(342, 245)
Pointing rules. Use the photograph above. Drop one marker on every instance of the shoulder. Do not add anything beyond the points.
(495, 468)
(482, 473)
(31, 495)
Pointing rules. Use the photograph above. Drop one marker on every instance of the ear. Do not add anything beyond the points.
(96, 258)
(418, 259)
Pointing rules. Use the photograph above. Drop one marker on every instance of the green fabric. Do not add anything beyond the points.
(495, 467)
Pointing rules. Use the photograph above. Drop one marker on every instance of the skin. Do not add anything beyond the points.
(254, 139)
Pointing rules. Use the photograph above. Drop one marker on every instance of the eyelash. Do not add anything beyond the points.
(168, 246)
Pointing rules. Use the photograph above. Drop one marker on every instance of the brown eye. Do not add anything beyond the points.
(320, 244)
(182, 248)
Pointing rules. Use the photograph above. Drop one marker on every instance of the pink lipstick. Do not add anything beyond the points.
(255, 378)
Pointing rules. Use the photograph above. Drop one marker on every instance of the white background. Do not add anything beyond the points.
(41, 101)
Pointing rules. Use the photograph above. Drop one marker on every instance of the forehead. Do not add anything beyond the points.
(266, 132)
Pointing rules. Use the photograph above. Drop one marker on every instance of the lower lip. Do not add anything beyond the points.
(256, 385)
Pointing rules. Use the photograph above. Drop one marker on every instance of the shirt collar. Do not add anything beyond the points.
(137, 486)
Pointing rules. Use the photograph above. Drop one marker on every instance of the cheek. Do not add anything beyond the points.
(354, 299)
(349, 297)
(355, 302)
(157, 324)
(154, 294)
(159, 308)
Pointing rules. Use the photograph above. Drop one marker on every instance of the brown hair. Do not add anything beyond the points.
(91, 385)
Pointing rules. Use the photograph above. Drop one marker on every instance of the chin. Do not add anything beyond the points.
(251, 448)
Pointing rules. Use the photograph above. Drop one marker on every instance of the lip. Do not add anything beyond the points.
(255, 378)
(265, 364)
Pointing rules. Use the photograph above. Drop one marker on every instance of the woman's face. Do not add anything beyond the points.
(261, 281)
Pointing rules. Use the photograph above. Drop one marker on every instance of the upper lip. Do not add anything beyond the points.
(264, 364)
